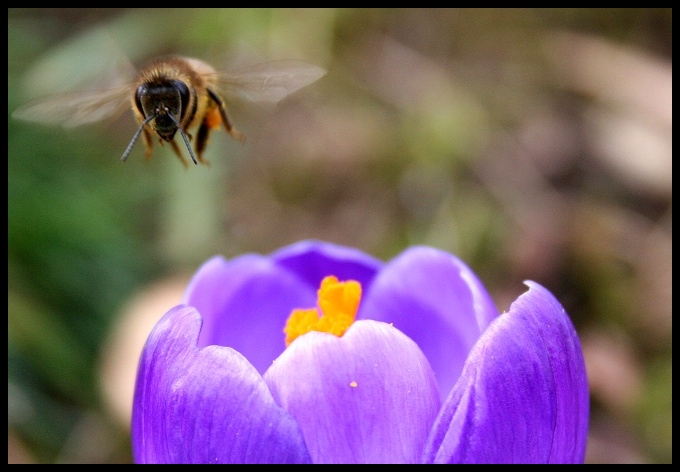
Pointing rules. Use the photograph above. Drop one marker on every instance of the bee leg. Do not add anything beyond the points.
(236, 134)
(202, 141)
(148, 143)
(178, 151)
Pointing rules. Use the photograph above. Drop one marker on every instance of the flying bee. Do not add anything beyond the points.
(176, 94)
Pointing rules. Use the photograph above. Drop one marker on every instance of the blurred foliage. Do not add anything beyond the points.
(535, 144)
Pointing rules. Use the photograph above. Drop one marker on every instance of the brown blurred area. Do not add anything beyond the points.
(534, 144)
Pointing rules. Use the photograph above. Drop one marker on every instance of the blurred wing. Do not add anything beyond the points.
(268, 81)
(78, 108)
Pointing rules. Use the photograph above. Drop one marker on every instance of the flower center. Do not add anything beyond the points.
(338, 302)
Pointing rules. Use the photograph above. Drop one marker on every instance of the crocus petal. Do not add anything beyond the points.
(523, 393)
(366, 397)
(313, 260)
(244, 303)
(206, 405)
(436, 300)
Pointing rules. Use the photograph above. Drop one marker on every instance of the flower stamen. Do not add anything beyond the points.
(336, 301)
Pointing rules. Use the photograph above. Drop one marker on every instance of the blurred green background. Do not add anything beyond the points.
(534, 144)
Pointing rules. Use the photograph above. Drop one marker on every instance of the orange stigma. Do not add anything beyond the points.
(338, 303)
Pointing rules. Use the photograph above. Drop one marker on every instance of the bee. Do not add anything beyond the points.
(176, 94)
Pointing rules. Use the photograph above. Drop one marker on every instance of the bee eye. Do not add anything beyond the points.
(141, 91)
(183, 93)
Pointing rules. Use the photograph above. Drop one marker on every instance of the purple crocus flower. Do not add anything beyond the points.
(429, 371)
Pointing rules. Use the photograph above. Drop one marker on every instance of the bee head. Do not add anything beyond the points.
(167, 101)
(163, 105)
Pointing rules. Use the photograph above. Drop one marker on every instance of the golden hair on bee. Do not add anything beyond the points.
(177, 94)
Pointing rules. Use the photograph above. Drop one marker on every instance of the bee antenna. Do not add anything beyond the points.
(135, 137)
(184, 137)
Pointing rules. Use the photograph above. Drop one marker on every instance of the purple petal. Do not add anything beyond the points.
(313, 260)
(205, 405)
(523, 394)
(436, 300)
(366, 397)
(245, 303)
